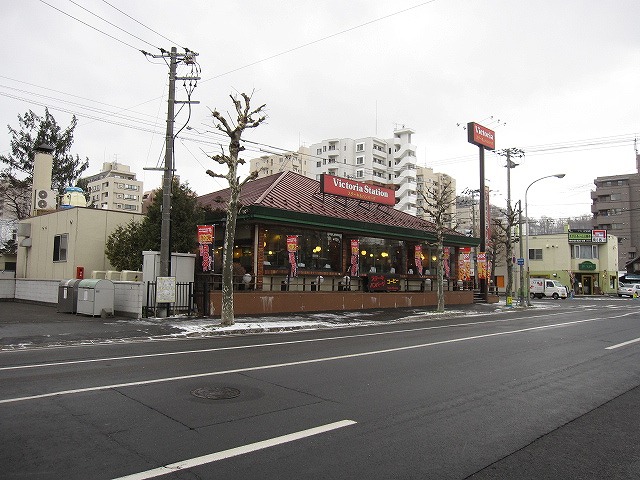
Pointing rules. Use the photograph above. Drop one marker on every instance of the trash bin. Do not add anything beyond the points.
(95, 297)
(68, 296)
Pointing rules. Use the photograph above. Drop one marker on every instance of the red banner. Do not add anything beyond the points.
(418, 259)
(482, 265)
(292, 249)
(355, 255)
(205, 234)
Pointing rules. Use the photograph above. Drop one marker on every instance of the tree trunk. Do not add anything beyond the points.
(440, 278)
(227, 315)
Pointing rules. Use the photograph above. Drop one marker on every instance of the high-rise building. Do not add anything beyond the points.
(280, 162)
(115, 188)
(616, 208)
(430, 182)
(390, 163)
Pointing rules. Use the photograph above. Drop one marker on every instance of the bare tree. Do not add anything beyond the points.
(246, 118)
(437, 202)
(502, 242)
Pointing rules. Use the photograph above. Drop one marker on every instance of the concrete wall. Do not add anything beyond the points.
(7, 288)
(260, 302)
(127, 302)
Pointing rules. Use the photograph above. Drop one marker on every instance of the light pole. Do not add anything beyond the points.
(526, 220)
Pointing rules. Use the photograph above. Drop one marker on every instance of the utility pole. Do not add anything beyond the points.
(167, 178)
(521, 296)
(509, 152)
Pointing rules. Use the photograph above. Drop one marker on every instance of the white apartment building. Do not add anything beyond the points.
(390, 163)
(115, 188)
(429, 182)
(280, 162)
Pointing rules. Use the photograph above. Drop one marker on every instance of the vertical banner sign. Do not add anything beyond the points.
(355, 255)
(464, 267)
(418, 259)
(292, 249)
(482, 265)
(487, 216)
(205, 239)
(447, 266)
(206, 258)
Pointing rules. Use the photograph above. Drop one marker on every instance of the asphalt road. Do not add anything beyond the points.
(544, 393)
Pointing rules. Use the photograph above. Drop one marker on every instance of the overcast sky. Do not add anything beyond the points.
(558, 79)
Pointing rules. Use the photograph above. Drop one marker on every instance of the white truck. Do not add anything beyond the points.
(544, 287)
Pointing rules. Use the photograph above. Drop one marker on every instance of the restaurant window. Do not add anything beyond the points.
(317, 250)
(380, 255)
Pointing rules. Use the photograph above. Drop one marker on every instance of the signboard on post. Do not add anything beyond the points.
(481, 136)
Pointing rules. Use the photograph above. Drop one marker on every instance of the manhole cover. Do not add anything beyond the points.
(215, 393)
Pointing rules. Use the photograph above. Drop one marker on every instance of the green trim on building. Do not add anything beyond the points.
(260, 214)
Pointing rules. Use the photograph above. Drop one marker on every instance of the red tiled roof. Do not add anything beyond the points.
(290, 191)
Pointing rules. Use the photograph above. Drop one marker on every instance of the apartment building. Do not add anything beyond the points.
(281, 162)
(430, 182)
(115, 188)
(389, 163)
(616, 208)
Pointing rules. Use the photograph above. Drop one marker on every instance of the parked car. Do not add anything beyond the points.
(544, 287)
(629, 289)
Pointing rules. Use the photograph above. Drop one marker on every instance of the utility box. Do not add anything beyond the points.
(95, 297)
(68, 296)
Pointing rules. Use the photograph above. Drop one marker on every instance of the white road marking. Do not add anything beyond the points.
(290, 364)
(623, 344)
(233, 452)
(258, 345)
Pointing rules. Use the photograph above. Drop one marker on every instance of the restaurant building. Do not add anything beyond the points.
(337, 237)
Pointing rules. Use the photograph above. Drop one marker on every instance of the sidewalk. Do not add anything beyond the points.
(25, 325)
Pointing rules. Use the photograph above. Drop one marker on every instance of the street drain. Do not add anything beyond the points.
(216, 393)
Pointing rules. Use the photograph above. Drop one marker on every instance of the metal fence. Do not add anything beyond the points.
(184, 304)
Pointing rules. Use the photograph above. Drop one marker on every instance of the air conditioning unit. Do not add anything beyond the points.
(45, 200)
(112, 275)
(131, 276)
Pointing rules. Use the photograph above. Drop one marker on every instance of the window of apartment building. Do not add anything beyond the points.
(614, 183)
(60, 247)
(130, 207)
(324, 148)
(584, 251)
(360, 147)
(359, 173)
(535, 254)
(359, 160)
(332, 147)
(318, 164)
(105, 184)
(615, 197)
(128, 196)
(319, 151)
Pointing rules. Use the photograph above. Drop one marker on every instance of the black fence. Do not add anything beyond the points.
(184, 304)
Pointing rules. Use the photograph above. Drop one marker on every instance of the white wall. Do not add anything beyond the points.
(128, 295)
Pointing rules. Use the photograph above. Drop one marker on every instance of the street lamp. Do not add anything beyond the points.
(526, 220)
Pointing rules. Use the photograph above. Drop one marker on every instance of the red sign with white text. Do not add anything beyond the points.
(481, 136)
(344, 187)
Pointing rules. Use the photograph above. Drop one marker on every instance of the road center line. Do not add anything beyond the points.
(233, 452)
(623, 344)
(290, 364)
(260, 345)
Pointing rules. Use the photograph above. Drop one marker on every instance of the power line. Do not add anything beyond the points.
(322, 39)
(91, 26)
(112, 24)
(142, 24)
